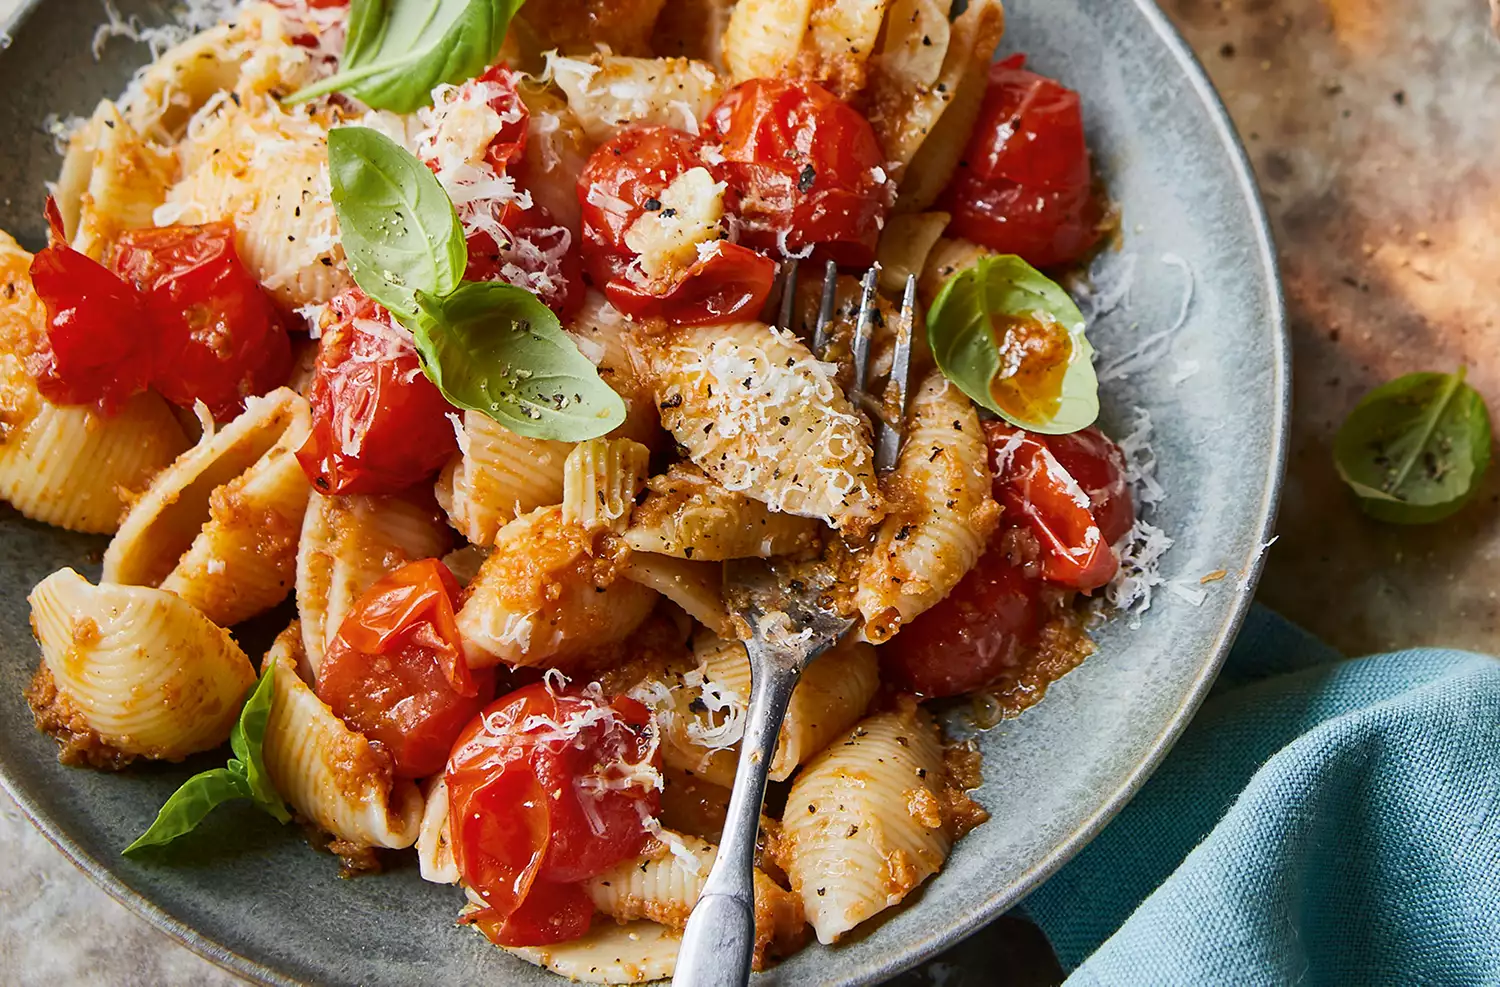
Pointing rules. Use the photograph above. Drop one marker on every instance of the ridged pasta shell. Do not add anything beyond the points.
(610, 953)
(498, 476)
(347, 544)
(600, 331)
(601, 478)
(942, 514)
(133, 671)
(219, 527)
(608, 93)
(689, 516)
(330, 774)
(863, 824)
(556, 151)
(696, 587)
(112, 181)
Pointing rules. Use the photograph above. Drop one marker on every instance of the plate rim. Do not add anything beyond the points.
(1003, 900)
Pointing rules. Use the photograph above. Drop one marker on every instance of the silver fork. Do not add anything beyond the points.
(789, 611)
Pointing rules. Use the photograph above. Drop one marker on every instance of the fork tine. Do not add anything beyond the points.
(788, 298)
(825, 308)
(864, 331)
(888, 445)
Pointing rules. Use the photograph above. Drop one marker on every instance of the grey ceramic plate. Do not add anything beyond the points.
(252, 897)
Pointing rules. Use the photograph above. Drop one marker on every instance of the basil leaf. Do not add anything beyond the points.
(399, 230)
(246, 738)
(494, 348)
(1415, 449)
(399, 50)
(188, 806)
(1014, 342)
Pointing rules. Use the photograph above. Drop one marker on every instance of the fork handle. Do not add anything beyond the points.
(719, 941)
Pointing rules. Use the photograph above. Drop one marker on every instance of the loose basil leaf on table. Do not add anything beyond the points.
(494, 348)
(398, 51)
(1414, 450)
(243, 778)
(399, 229)
(1014, 342)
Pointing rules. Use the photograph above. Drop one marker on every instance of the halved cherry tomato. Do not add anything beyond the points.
(378, 424)
(1037, 491)
(219, 338)
(539, 255)
(543, 791)
(1024, 185)
(97, 347)
(805, 167)
(968, 638)
(731, 281)
(396, 671)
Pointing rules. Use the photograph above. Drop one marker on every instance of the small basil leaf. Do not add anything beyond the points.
(399, 50)
(188, 806)
(246, 739)
(398, 227)
(1014, 342)
(494, 348)
(1414, 450)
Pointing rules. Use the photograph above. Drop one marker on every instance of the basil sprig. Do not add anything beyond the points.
(399, 50)
(961, 327)
(1414, 450)
(244, 777)
(488, 346)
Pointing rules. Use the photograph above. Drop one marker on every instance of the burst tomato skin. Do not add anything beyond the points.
(516, 790)
(1040, 493)
(969, 637)
(396, 672)
(379, 425)
(806, 169)
(1024, 185)
(219, 337)
(731, 282)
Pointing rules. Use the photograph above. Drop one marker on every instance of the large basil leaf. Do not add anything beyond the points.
(399, 50)
(494, 348)
(962, 329)
(1415, 449)
(399, 230)
(244, 777)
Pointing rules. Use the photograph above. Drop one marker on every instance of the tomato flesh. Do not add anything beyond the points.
(540, 798)
(538, 254)
(378, 424)
(219, 337)
(1024, 185)
(396, 672)
(806, 169)
(732, 281)
(508, 147)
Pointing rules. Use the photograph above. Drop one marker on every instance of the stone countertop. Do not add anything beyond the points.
(1374, 127)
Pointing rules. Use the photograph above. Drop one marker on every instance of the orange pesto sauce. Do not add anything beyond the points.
(1034, 354)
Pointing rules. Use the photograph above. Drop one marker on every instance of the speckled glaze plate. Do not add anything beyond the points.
(1196, 255)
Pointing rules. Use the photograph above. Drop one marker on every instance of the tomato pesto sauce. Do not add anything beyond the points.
(1034, 355)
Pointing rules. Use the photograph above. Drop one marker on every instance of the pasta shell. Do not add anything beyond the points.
(113, 180)
(600, 332)
(434, 839)
(689, 516)
(696, 587)
(764, 36)
(610, 953)
(498, 476)
(601, 478)
(130, 671)
(608, 93)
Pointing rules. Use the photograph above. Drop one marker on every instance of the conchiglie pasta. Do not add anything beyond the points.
(130, 671)
(610, 953)
(330, 774)
(548, 594)
(600, 331)
(905, 244)
(840, 38)
(946, 258)
(942, 512)
(608, 93)
(760, 415)
(557, 148)
(689, 516)
(347, 544)
(435, 858)
(601, 478)
(112, 181)
(864, 824)
(764, 36)
(696, 587)
(219, 527)
(498, 476)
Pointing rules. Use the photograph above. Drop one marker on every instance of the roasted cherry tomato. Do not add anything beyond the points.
(538, 254)
(1093, 459)
(1038, 492)
(548, 914)
(730, 281)
(507, 147)
(98, 345)
(219, 337)
(1024, 184)
(546, 788)
(806, 169)
(968, 638)
(396, 670)
(378, 424)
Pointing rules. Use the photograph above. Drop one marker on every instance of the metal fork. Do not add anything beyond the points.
(789, 610)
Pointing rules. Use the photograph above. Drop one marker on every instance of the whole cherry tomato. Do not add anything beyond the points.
(966, 640)
(219, 338)
(806, 168)
(378, 424)
(98, 345)
(396, 670)
(728, 282)
(1024, 185)
(1039, 492)
(546, 789)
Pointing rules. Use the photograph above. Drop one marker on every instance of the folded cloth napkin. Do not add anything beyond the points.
(1322, 821)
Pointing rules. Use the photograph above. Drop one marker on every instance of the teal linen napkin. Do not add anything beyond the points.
(1322, 821)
